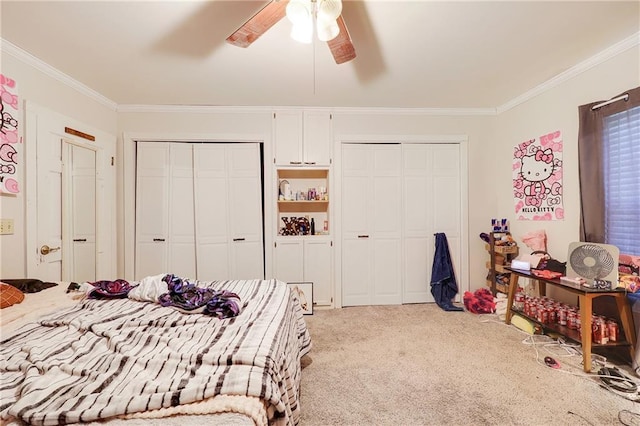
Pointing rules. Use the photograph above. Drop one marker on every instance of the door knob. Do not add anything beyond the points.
(45, 249)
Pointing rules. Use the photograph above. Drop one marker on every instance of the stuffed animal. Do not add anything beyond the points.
(479, 302)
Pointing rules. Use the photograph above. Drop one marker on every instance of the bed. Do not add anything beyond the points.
(125, 361)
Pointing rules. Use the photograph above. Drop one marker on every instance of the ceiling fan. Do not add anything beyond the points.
(340, 45)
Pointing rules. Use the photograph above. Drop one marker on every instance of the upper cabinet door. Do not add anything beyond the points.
(317, 140)
(302, 138)
(288, 137)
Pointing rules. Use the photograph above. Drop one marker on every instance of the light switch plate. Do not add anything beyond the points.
(6, 226)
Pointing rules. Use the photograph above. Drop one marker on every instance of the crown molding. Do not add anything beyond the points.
(418, 111)
(196, 109)
(29, 59)
(597, 59)
(342, 110)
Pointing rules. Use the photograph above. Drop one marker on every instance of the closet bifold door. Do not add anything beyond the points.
(431, 204)
(418, 221)
(371, 221)
(164, 210)
(152, 198)
(181, 253)
(228, 211)
(245, 211)
(211, 212)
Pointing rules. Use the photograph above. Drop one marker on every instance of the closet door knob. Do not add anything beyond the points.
(158, 239)
(238, 239)
(363, 236)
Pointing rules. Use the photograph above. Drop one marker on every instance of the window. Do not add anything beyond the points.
(621, 162)
(609, 169)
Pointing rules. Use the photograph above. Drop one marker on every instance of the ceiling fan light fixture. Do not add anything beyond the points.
(302, 33)
(329, 9)
(300, 12)
(325, 15)
(327, 29)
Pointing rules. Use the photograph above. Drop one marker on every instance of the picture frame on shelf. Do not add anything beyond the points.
(304, 292)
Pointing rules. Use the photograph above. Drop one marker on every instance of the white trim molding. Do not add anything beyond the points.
(54, 73)
(195, 109)
(445, 112)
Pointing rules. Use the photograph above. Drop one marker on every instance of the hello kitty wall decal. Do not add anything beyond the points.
(537, 178)
(10, 143)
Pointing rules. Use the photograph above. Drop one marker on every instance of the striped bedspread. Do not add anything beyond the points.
(106, 358)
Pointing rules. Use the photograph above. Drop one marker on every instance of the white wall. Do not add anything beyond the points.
(39, 87)
(557, 109)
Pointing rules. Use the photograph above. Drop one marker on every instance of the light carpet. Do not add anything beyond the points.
(419, 365)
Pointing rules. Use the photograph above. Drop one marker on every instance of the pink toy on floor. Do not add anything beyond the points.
(480, 302)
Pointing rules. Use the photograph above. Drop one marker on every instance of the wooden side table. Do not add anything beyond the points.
(585, 297)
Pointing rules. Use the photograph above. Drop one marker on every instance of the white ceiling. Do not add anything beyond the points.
(410, 54)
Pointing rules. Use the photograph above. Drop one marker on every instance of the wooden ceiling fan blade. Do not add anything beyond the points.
(341, 47)
(259, 23)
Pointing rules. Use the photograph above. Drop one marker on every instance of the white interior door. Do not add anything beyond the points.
(51, 223)
(48, 266)
(79, 200)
